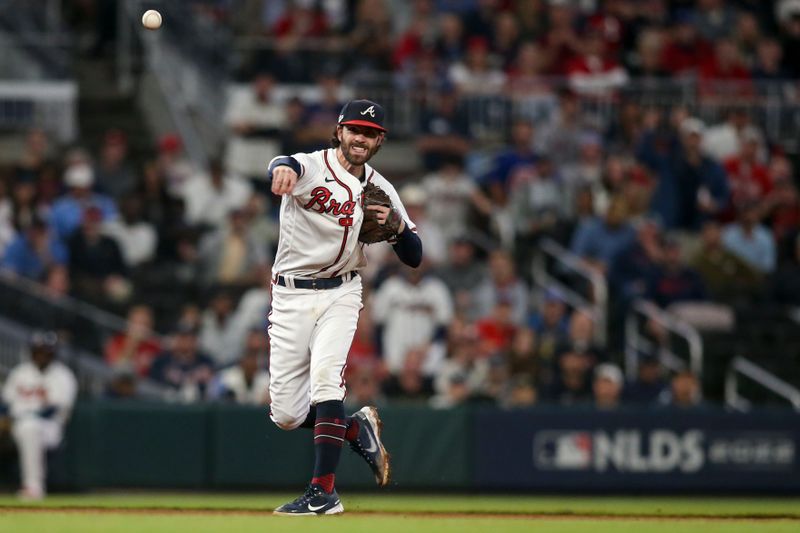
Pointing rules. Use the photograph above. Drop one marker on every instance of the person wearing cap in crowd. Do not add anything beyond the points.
(183, 367)
(211, 197)
(33, 251)
(95, 260)
(691, 187)
(649, 385)
(607, 386)
(113, 172)
(750, 240)
(40, 394)
(67, 212)
(673, 281)
(317, 268)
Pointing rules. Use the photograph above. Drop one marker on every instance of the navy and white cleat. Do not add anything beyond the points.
(313, 502)
(369, 446)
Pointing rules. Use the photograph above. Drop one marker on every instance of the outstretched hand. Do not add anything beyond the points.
(283, 180)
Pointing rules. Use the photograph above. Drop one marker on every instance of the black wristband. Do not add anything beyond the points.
(284, 161)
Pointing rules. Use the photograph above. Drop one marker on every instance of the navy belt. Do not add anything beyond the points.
(317, 283)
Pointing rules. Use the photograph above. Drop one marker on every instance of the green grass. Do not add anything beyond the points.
(214, 513)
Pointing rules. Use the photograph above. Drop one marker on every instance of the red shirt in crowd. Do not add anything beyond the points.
(143, 355)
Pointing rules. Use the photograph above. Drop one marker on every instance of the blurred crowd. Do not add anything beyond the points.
(697, 218)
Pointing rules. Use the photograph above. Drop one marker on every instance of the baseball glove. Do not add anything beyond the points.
(371, 230)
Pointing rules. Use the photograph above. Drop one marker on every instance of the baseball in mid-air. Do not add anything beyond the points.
(151, 19)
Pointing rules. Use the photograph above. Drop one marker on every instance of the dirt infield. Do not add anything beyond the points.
(34, 509)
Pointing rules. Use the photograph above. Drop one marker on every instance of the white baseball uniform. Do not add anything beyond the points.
(26, 392)
(311, 330)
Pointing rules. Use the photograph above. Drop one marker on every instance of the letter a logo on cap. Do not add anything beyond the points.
(370, 110)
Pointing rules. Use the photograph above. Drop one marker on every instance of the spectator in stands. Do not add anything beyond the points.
(256, 120)
(363, 387)
(768, 66)
(230, 255)
(684, 391)
(746, 37)
(318, 116)
(723, 141)
(690, 186)
(411, 312)
(95, 261)
(726, 275)
(371, 34)
(594, 72)
(560, 136)
(36, 155)
(183, 367)
(220, 337)
(209, 199)
(782, 204)
(531, 92)
(597, 241)
(496, 331)
(633, 266)
(136, 238)
(513, 166)
(522, 393)
(522, 355)
(725, 75)
(505, 40)
(450, 195)
(248, 381)
(40, 394)
(750, 240)
(537, 209)
(580, 335)
(33, 251)
(68, 211)
(134, 349)
(444, 131)
(417, 35)
(503, 284)
(572, 383)
(25, 205)
(173, 164)
(254, 304)
(607, 387)
(476, 75)
(411, 382)
(464, 374)
(686, 50)
(561, 40)
(432, 235)
(550, 323)
(449, 43)
(113, 172)
(462, 273)
(673, 281)
(649, 68)
(714, 19)
(588, 170)
(649, 385)
(788, 13)
(748, 178)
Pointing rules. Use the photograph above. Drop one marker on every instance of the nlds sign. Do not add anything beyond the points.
(624, 450)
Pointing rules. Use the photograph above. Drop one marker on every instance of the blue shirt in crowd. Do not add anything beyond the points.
(22, 259)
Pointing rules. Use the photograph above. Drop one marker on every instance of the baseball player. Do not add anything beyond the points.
(316, 294)
(40, 394)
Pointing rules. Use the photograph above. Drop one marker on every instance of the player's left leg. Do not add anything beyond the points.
(33, 437)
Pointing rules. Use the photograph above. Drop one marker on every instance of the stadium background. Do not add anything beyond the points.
(585, 176)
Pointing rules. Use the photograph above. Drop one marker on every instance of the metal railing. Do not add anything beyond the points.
(192, 90)
(741, 366)
(565, 261)
(50, 105)
(636, 343)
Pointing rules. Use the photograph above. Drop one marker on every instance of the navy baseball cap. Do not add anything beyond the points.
(362, 113)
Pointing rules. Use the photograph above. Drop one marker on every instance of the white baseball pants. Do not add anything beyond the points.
(310, 335)
(34, 436)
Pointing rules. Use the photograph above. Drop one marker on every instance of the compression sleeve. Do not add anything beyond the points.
(408, 248)
(286, 161)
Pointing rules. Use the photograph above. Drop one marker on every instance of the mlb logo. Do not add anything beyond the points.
(562, 450)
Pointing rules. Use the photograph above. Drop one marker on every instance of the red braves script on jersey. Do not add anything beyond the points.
(321, 202)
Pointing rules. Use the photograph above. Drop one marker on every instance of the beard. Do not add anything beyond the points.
(357, 159)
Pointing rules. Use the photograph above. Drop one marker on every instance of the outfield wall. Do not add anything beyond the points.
(118, 444)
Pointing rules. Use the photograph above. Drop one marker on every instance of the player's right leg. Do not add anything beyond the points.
(28, 435)
(291, 321)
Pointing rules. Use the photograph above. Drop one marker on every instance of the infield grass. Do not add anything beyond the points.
(398, 513)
